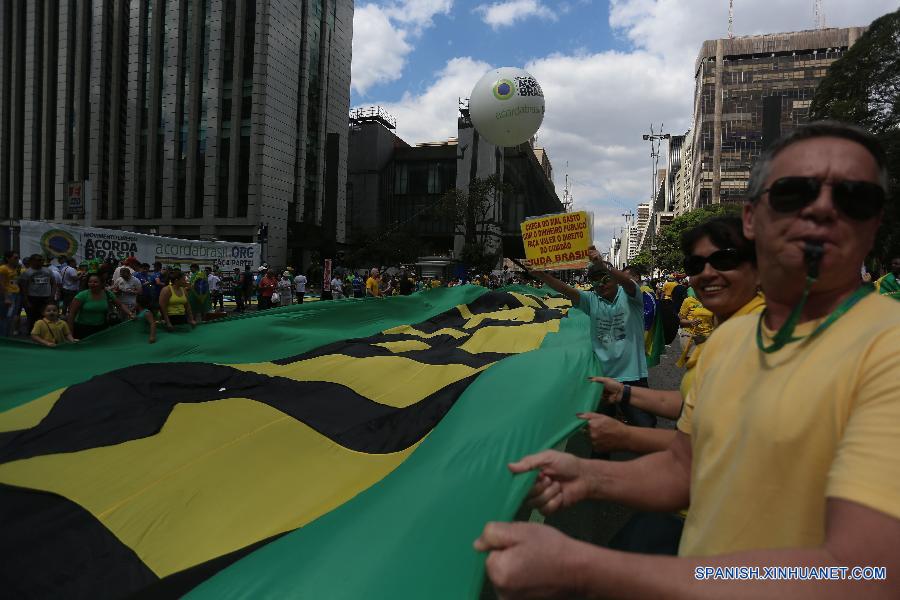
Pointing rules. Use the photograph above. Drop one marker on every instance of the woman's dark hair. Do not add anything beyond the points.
(174, 275)
(95, 274)
(724, 232)
(8, 255)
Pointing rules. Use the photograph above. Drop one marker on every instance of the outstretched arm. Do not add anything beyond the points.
(566, 290)
(655, 482)
(664, 403)
(530, 560)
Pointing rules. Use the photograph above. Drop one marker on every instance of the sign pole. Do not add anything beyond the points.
(86, 198)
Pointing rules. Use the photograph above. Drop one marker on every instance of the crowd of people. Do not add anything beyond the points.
(64, 301)
(785, 456)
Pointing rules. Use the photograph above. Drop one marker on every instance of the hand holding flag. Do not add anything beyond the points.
(561, 481)
(528, 560)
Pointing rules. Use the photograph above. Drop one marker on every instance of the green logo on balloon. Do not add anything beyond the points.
(504, 89)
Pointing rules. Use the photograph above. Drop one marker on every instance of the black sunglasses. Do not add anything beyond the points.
(601, 281)
(721, 260)
(859, 200)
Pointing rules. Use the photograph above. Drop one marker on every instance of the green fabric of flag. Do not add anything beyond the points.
(341, 449)
(889, 286)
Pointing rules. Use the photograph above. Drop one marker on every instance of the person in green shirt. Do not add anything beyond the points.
(90, 309)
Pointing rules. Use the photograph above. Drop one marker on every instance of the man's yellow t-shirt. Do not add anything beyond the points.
(373, 287)
(774, 435)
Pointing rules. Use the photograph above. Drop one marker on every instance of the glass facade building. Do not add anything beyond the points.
(749, 91)
(192, 118)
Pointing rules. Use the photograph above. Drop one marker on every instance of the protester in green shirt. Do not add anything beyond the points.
(90, 309)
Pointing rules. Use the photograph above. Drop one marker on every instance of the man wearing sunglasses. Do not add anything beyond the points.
(615, 305)
(791, 456)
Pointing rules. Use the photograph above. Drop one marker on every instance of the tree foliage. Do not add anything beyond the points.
(472, 213)
(668, 256)
(863, 87)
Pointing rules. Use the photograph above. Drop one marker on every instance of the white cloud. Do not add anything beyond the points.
(420, 13)
(506, 14)
(381, 38)
(430, 115)
(599, 104)
(379, 49)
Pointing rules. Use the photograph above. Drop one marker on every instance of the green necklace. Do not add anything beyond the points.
(786, 336)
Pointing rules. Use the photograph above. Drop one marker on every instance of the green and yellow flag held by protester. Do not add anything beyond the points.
(338, 450)
(198, 294)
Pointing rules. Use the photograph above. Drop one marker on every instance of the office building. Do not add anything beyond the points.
(683, 188)
(749, 91)
(673, 165)
(397, 188)
(190, 118)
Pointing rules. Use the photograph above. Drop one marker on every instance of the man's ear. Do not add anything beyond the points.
(748, 214)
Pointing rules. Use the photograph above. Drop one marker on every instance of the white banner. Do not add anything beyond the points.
(87, 243)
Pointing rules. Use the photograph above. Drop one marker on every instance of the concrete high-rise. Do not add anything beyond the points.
(749, 91)
(682, 191)
(192, 118)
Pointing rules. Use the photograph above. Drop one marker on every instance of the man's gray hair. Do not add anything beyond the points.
(819, 129)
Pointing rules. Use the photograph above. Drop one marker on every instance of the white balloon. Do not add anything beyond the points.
(507, 106)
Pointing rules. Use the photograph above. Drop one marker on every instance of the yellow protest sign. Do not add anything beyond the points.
(560, 241)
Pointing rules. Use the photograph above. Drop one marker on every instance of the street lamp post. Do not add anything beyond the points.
(262, 236)
(655, 139)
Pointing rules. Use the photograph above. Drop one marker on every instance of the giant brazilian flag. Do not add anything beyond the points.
(347, 449)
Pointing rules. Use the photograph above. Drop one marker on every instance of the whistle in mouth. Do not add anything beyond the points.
(812, 255)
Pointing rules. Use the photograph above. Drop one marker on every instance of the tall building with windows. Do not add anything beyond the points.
(682, 190)
(192, 118)
(749, 91)
(397, 191)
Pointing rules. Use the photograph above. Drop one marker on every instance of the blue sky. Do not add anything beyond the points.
(608, 68)
(579, 26)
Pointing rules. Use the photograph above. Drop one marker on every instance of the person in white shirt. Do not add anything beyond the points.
(57, 278)
(283, 287)
(127, 287)
(215, 290)
(337, 290)
(300, 287)
(71, 283)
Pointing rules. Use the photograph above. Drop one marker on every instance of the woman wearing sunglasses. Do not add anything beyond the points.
(721, 263)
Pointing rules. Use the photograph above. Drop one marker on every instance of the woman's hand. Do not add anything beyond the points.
(607, 434)
(612, 389)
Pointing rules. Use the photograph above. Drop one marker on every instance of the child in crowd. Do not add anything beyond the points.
(146, 317)
(50, 331)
